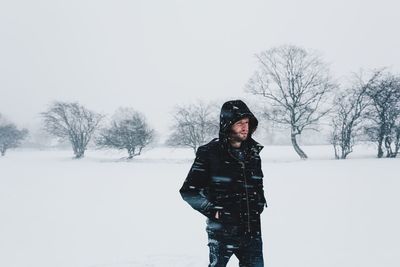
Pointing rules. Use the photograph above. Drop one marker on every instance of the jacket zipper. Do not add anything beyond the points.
(247, 196)
(245, 184)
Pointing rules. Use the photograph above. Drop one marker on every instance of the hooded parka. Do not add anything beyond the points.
(219, 181)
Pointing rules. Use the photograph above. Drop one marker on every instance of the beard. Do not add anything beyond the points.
(238, 137)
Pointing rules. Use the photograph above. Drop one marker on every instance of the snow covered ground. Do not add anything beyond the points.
(104, 211)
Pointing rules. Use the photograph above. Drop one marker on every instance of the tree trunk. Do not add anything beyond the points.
(3, 153)
(380, 150)
(396, 149)
(130, 153)
(80, 153)
(297, 148)
(336, 151)
(346, 151)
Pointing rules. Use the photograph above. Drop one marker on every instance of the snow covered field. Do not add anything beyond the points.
(103, 211)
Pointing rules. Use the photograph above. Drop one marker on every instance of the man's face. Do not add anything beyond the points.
(240, 130)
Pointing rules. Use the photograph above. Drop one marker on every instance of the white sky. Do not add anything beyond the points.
(151, 55)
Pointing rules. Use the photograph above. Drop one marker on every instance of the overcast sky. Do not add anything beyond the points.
(150, 55)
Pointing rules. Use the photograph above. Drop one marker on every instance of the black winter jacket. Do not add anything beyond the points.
(217, 181)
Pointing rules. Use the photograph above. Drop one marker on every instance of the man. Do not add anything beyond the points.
(225, 184)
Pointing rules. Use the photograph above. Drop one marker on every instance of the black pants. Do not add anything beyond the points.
(247, 248)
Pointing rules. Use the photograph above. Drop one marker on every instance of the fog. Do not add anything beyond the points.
(151, 55)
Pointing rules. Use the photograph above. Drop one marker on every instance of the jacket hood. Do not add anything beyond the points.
(231, 112)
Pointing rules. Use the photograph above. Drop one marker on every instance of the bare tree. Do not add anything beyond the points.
(128, 130)
(384, 115)
(10, 136)
(295, 82)
(193, 125)
(348, 108)
(72, 122)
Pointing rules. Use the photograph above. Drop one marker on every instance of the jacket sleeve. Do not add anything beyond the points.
(195, 188)
(262, 201)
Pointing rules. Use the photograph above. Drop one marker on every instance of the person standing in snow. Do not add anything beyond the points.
(225, 183)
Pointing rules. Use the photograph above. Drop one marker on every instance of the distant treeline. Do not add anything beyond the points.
(294, 89)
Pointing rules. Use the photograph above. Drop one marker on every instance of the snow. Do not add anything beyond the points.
(105, 211)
